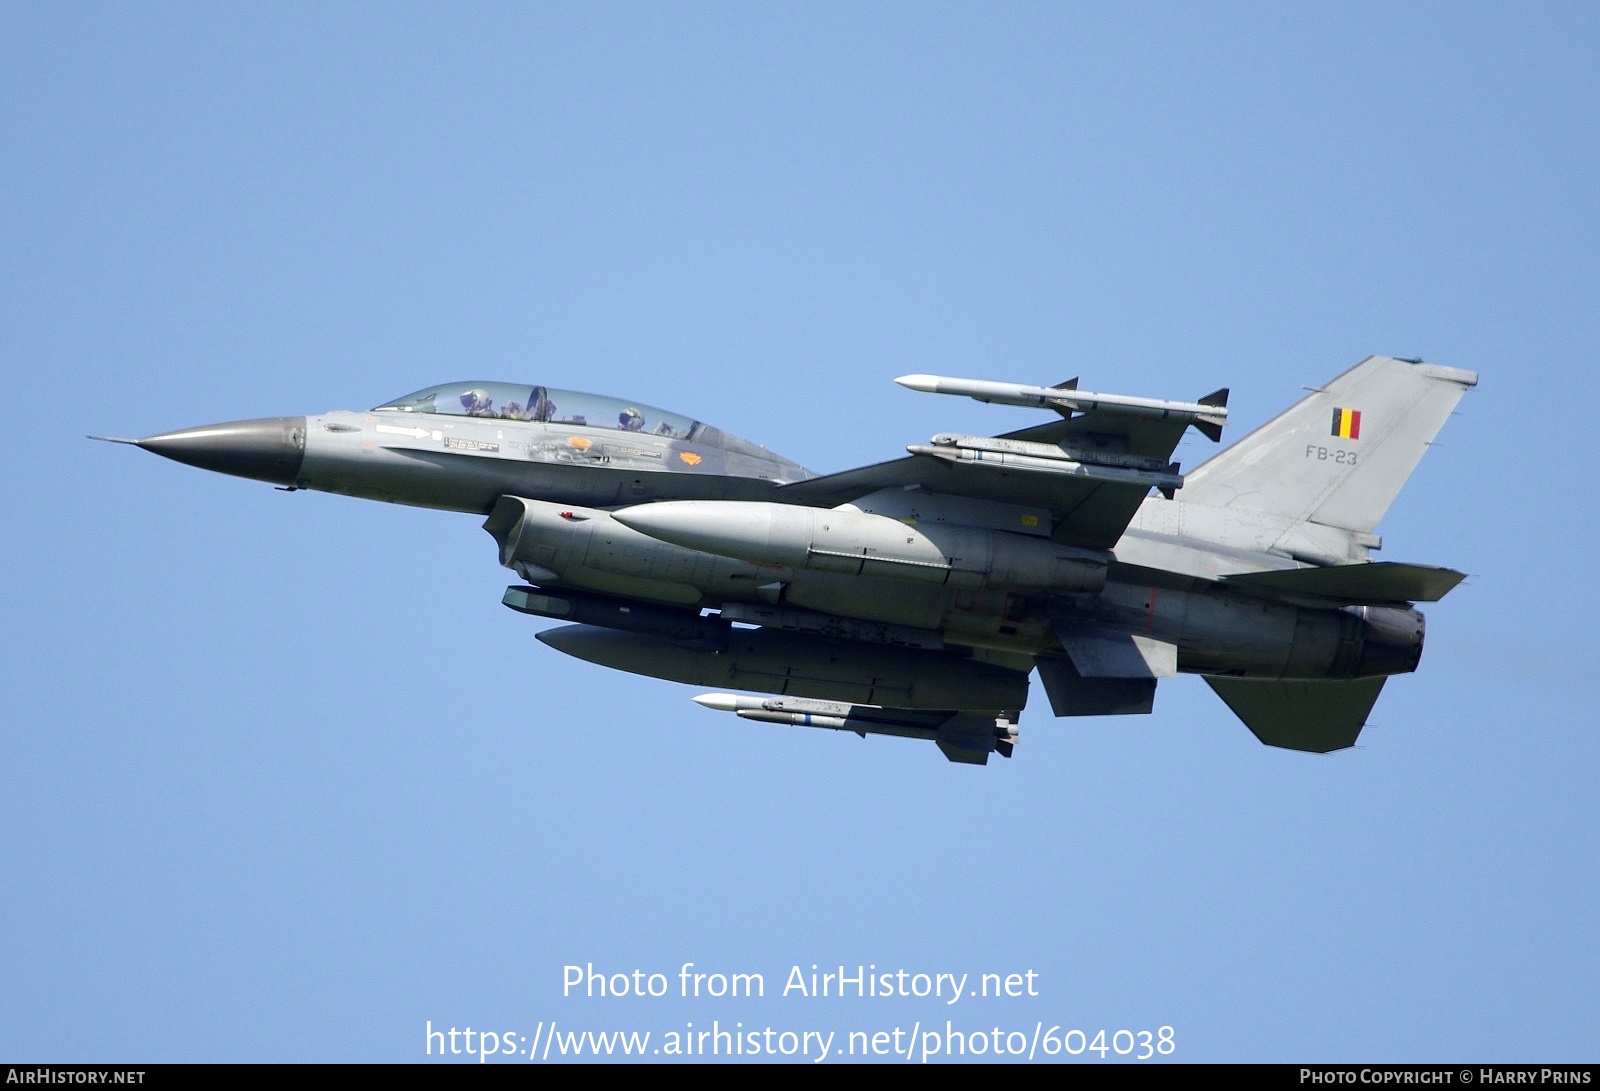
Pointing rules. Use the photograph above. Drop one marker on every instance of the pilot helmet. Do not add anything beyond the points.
(630, 419)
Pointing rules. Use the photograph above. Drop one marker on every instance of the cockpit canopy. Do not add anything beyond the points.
(512, 401)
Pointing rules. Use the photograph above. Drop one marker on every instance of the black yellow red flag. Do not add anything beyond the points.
(1347, 423)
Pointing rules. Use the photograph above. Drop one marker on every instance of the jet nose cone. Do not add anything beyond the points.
(271, 449)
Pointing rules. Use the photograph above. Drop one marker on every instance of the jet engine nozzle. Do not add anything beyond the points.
(1391, 640)
(269, 449)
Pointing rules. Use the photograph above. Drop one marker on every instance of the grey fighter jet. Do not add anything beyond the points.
(915, 597)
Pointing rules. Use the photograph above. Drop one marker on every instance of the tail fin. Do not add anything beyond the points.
(1339, 457)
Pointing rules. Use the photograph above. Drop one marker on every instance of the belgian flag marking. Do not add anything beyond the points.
(1347, 423)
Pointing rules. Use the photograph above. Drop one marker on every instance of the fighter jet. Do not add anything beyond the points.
(915, 597)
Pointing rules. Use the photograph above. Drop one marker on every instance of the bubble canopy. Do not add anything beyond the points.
(514, 401)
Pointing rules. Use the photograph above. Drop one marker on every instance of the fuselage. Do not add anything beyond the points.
(548, 467)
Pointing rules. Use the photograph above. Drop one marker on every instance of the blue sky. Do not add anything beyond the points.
(283, 781)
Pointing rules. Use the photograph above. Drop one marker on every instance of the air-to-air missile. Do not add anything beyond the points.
(1210, 413)
(962, 736)
(914, 597)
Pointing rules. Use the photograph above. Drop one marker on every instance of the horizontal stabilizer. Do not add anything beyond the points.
(1071, 694)
(1105, 653)
(1313, 716)
(1381, 583)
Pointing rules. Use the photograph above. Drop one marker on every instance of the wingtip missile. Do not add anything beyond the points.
(1209, 414)
(1210, 425)
(927, 384)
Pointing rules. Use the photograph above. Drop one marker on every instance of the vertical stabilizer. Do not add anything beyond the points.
(1339, 457)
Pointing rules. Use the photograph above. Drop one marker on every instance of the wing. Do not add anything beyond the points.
(1091, 472)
